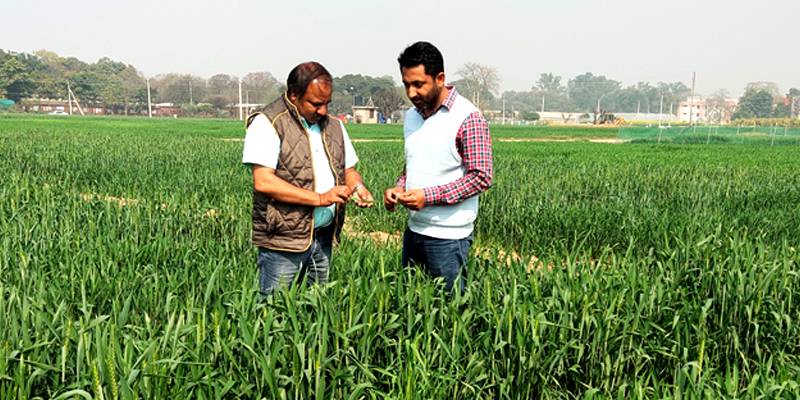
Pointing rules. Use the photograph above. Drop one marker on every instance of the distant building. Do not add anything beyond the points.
(647, 117)
(167, 110)
(707, 110)
(560, 117)
(366, 114)
(693, 109)
(49, 105)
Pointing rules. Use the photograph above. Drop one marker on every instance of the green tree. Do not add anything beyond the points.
(673, 93)
(549, 88)
(260, 87)
(770, 87)
(357, 88)
(587, 91)
(15, 80)
(781, 111)
(754, 104)
(530, 115)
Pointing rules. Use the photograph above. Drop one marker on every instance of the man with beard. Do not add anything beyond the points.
(448, 163)
(303, 174)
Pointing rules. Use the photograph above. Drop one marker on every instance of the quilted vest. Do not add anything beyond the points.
(288, 227)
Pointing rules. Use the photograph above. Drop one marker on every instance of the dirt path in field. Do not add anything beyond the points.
(352, 140)
(505, 140)
(396, 239)
(129, 202)
(120, 201)
(352, 229)
(588, 139)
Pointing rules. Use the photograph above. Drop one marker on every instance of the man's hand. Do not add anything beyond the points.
(413, 199)
(390, 197)
(337, 195)
(362, 197)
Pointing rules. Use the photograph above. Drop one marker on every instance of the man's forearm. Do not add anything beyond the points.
(352, 178)
(278, 189)
(471, 184)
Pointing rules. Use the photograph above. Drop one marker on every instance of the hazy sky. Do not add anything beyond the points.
(728, 43)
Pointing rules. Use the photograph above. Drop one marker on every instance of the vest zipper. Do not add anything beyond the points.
(335, 180)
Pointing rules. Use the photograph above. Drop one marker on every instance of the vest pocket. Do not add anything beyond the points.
(271, 218)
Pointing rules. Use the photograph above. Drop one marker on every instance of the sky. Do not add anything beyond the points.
(726, 43)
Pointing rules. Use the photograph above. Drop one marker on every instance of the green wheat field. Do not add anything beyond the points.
(632, 270)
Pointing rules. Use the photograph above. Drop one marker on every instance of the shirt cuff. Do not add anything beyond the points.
(433, 195)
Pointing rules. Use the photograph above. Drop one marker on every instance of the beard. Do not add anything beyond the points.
(429, 101)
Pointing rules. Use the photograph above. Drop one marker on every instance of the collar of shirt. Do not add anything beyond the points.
(311, 128)
(448, 102)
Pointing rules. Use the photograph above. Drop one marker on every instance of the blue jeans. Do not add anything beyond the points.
(446, 258)
(283, 268)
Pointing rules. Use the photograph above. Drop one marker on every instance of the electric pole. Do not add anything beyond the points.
(691, 99)
(504, 110)
(149, 106)
(241, 117)
(69, 98)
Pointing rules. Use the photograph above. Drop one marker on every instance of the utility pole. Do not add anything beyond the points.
(69, 98)
(241, 117)
(149, 106)
(691, 99)
(542, 103)
(76, 101)
(191, 98)
(504, 109)
(660, 109)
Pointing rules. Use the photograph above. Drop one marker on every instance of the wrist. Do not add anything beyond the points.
(357, 186)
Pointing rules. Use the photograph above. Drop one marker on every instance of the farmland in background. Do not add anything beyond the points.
(627, 270)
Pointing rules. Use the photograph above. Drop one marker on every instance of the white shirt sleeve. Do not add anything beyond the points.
(262, 146)
(350, 157)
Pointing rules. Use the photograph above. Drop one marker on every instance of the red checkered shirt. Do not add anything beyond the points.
(474, 144)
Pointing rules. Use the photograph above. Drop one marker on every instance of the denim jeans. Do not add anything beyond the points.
(446, 258)
(283, 268)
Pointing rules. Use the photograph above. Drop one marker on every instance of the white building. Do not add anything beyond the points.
(693, 109)
(366, 114)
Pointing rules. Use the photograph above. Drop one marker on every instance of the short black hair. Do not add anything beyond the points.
(303, 74)
(425, 54)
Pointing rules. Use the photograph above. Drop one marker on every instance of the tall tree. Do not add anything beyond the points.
(261, 87)
(549, 82)
(479, 80)
(718, 108)
(389, 99)
(550, 93)
(769, 87)
(673, 93)
(587, 91)
(356, 89)
(15, 80)
(754, 104)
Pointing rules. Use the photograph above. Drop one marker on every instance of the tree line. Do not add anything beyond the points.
(122, 89)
